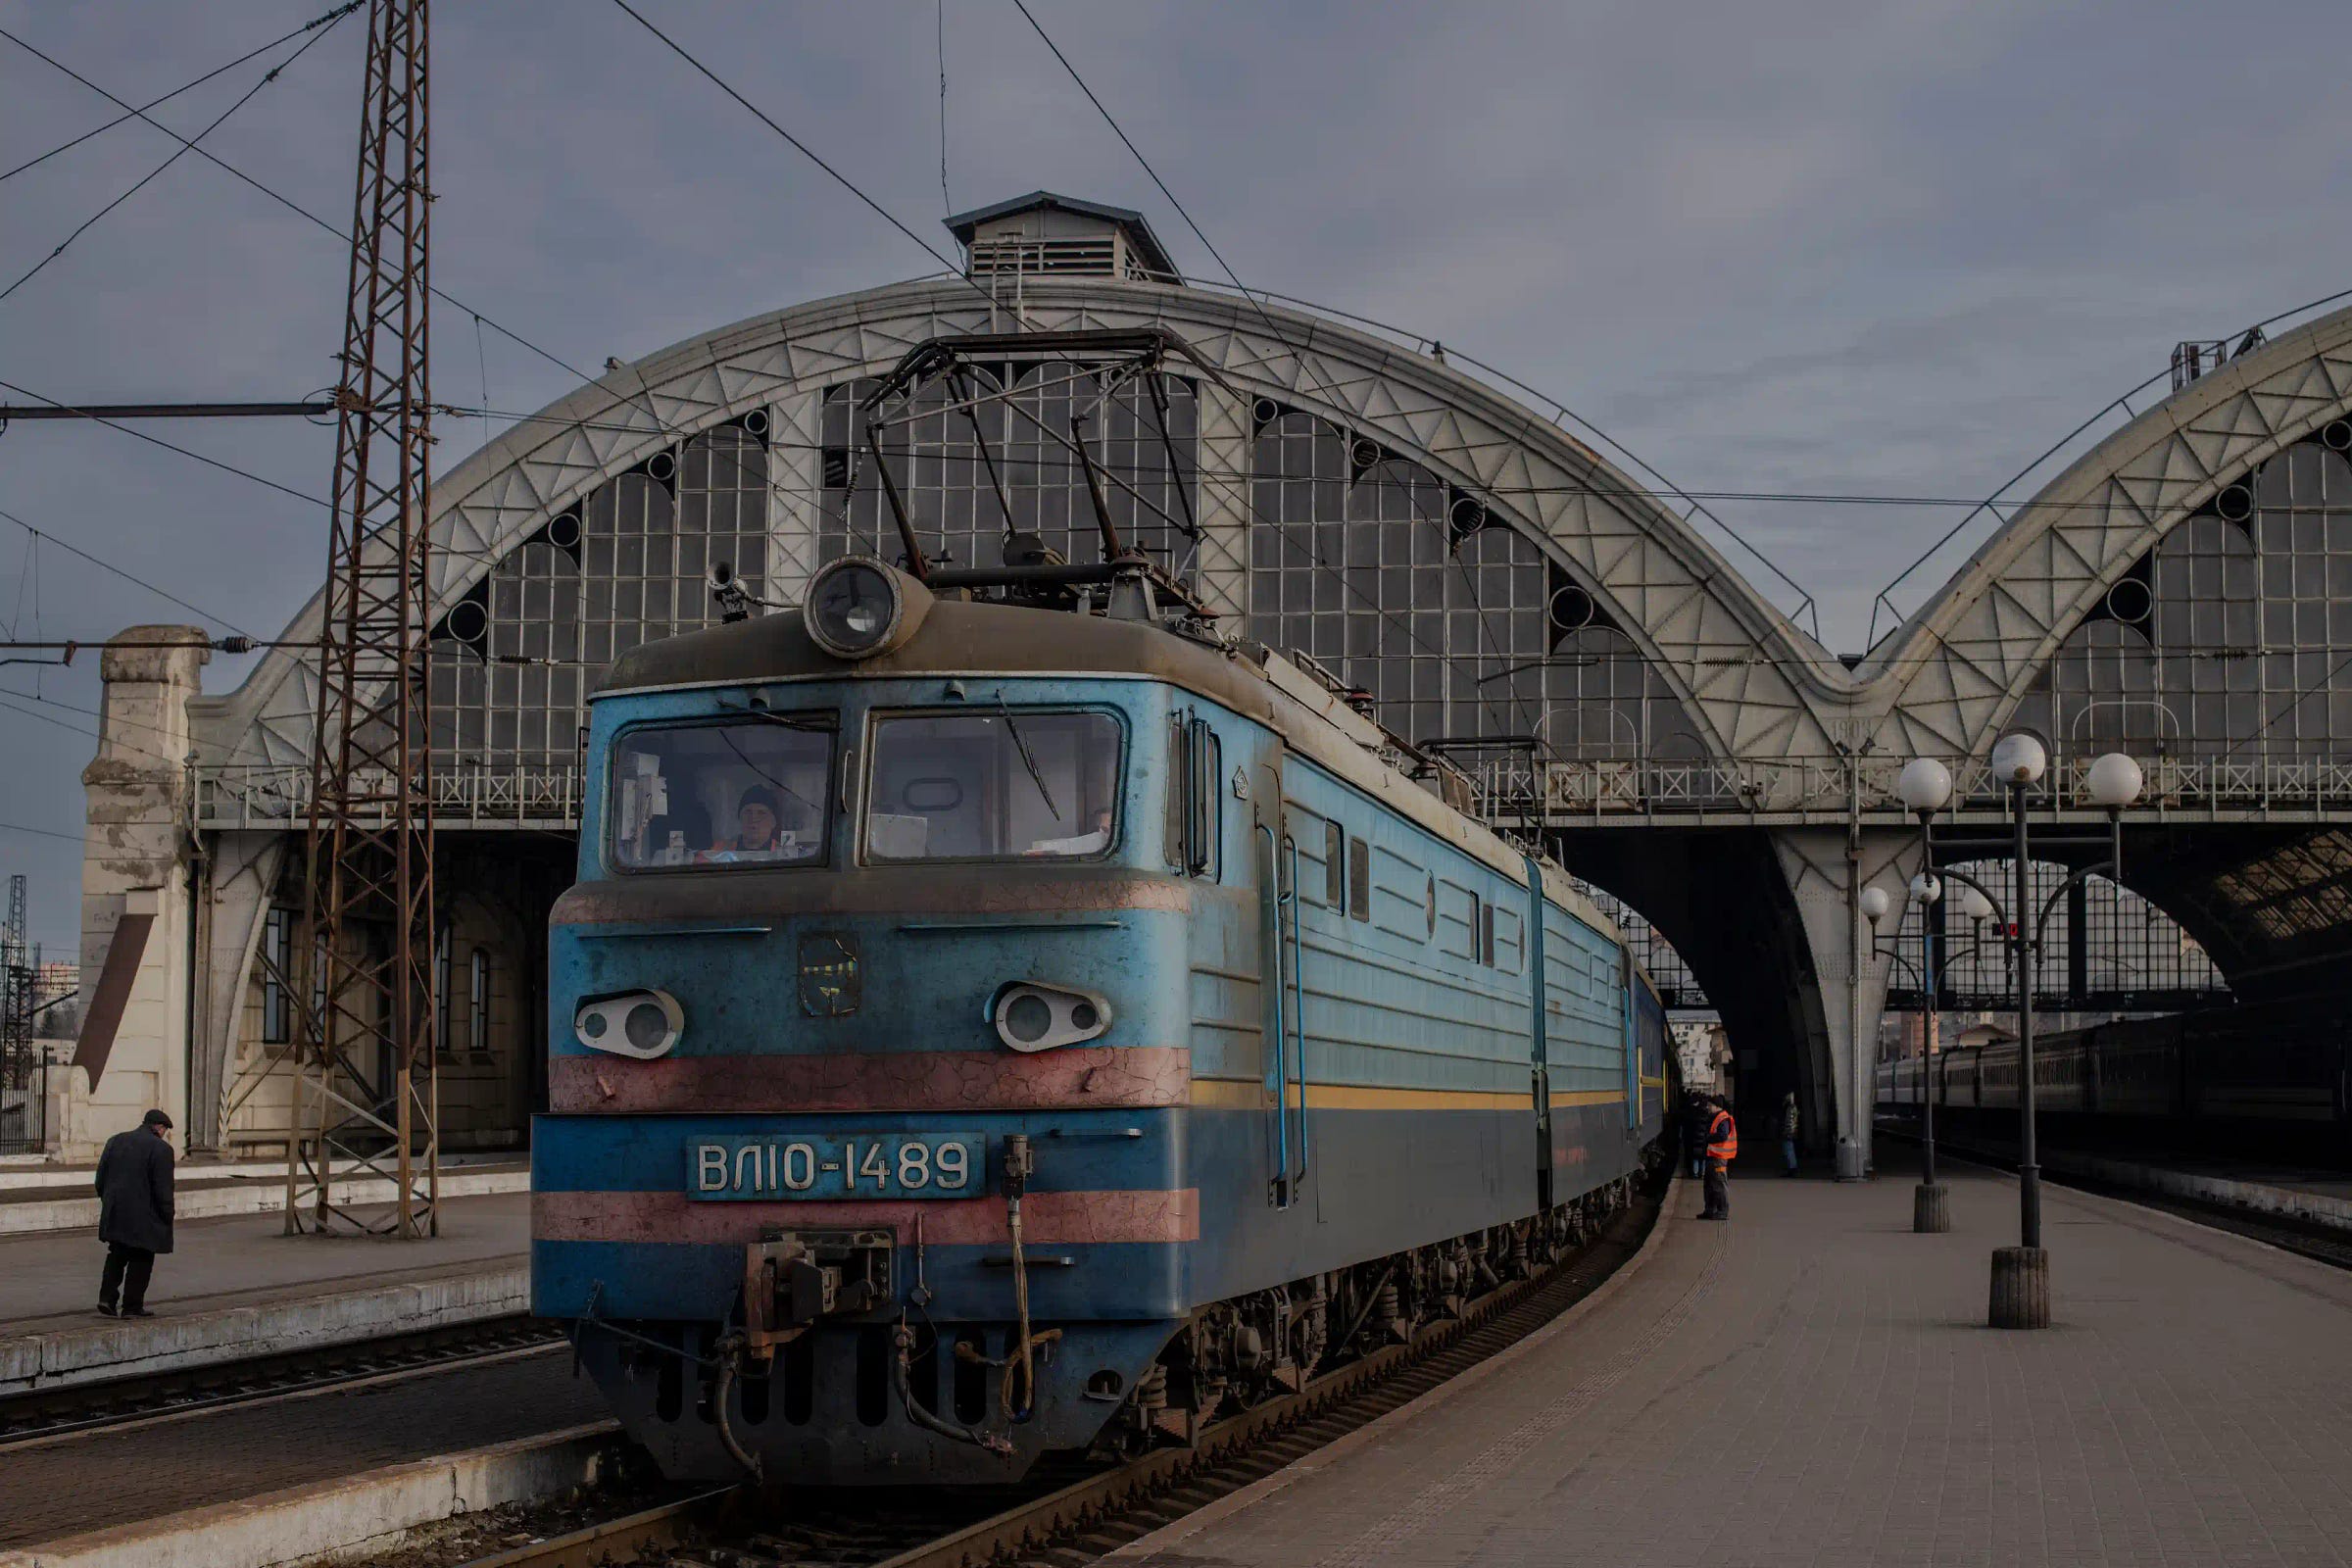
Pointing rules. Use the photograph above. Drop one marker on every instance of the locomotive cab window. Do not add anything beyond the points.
(1196, 796)
(742, 792)
(1002, 785)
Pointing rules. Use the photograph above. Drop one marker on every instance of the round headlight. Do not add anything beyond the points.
(854, 608)
(1031, 1016)
(643, 1024)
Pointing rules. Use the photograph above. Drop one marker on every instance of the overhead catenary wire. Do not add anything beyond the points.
(168, 446)
(2250, 336)
(41, 832)
(38, 536)
(805, 150)
(1298, 355)
(938, 17)
(883, 213)
(1251, 295)
(186, 146)
(288, 203)
(336, 15)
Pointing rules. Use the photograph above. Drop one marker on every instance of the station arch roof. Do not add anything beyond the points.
(1750, 679)
(1960, 669)
(1753, 686)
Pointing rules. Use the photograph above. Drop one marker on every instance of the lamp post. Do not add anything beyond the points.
(2021, 1279)
(2021, 1274)
(1925, 787)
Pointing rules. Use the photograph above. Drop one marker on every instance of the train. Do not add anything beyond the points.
(2270, 1079)
(1002, 1014)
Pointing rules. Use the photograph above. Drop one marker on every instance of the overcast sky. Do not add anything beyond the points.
(1804, 246)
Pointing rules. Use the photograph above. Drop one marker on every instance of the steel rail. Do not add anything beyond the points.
(40, 1415)
(2321, 1242)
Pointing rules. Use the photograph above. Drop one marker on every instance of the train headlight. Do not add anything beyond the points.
(857, 608)
(1030, 1016)
(643, 1024)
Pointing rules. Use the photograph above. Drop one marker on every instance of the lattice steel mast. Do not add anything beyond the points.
(366, 1095)
(19, 1050)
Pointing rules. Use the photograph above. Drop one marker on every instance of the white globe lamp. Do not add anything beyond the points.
(1925, 785)
(2114, 781)
(1874, 904)
(1925, 889)
(2019, 760)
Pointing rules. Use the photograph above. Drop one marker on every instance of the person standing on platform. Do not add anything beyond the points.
(1723, 1146)
(1695, 1117)
(1792, 1119)
(134, 1213)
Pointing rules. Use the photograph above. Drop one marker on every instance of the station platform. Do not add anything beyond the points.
(1813, 1383)
(38, 1196)
(237, 1287)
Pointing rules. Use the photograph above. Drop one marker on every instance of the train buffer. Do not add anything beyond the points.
(1813, 1383)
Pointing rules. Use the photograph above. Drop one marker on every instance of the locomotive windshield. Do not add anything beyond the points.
(735, 793)
(1002, 785)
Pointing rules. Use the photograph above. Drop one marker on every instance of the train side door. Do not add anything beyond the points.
(1281, 995)
(1540, 1047)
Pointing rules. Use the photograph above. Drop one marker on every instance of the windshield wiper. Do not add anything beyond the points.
(744, 758)
(1028, 762)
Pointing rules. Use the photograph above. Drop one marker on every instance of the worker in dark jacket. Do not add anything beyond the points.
(134, 1213)
(1723, 1146)
(1695, 1117)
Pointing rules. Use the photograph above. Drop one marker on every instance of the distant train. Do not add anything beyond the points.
(2272, 1078)
(984, 1029)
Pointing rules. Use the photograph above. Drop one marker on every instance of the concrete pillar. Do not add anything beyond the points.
(238, 879)
(1226, 440)
(138, 853)
(1826, 873)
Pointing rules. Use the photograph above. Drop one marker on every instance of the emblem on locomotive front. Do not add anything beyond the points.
(831, 978)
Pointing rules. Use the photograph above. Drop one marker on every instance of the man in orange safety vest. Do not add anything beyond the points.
(1723, 1146)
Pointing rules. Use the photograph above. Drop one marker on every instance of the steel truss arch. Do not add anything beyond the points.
(1953, 676)
(1754, 684)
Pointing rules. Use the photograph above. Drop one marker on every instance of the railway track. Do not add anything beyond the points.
(2320, 1243)
(1074, 1513)
(40, 1415)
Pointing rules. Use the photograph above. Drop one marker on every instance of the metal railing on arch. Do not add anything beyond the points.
(277, 796)
(1521, 788)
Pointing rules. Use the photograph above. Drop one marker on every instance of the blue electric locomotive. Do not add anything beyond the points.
(982, 1030)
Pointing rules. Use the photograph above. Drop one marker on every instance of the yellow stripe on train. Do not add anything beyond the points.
(1229, 1094)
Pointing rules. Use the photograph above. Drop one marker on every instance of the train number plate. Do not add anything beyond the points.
(867, 1165)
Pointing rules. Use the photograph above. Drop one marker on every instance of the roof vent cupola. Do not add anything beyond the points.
(1045, 236)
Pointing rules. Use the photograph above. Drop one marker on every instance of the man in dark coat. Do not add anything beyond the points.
(134, 1213)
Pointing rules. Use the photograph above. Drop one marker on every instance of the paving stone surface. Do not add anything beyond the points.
(102, 1479)
(1813, 1385)
(50, 1279)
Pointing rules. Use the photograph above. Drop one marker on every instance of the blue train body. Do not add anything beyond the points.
(1334, 1053)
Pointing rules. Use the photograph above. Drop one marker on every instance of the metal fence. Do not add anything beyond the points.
(1526, 789)
(278, 797)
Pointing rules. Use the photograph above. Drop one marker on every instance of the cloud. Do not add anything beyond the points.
(1823, 244)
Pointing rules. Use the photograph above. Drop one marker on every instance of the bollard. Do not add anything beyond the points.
(2021, 1288)
(1930, 1208)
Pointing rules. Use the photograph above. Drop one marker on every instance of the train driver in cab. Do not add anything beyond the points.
(759, 833)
